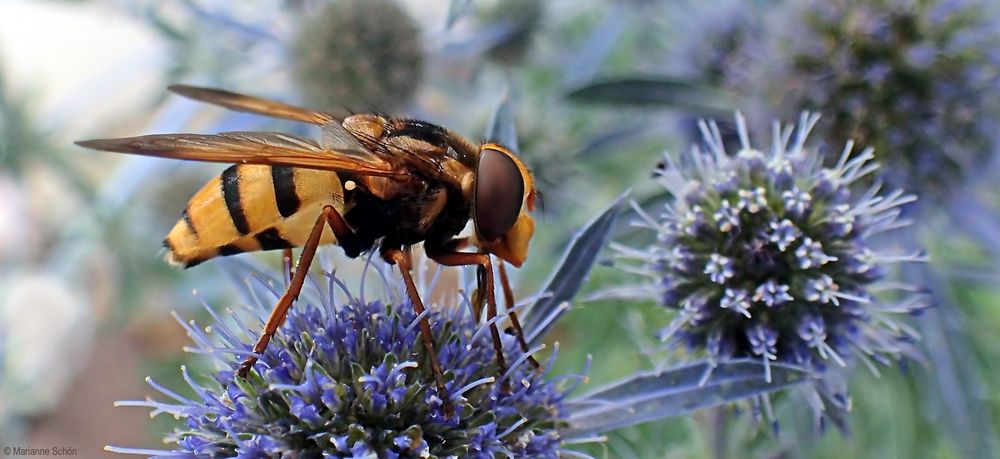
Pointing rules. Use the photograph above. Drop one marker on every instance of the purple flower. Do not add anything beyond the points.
(348, 378)
(916, 80)
(788, 273)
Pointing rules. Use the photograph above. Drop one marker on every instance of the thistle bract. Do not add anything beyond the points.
(351, 380)
(769, 254)
(917, 80)
(359, 54)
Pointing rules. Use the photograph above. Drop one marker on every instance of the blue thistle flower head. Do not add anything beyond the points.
(350, 380)
(917, 80)
(358, 54)
(769, 254)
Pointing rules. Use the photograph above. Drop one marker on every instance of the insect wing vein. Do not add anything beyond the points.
(249, 147)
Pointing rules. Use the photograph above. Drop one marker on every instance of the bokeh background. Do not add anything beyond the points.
(599, 90)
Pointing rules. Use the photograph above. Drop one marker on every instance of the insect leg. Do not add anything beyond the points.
(486, 268)
(328, 216)
(400, 259)
(508, 294)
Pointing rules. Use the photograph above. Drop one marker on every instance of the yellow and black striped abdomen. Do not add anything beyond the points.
(253, 207)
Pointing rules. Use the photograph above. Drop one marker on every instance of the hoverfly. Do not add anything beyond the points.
(369, 182)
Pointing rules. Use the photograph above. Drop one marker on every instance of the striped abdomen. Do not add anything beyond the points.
(253, 207)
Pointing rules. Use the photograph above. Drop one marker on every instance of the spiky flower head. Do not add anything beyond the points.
(768, 254)
(918, 80)
(350, 379)
(359, 54)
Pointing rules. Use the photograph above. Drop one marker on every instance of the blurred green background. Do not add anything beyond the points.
(85, 297)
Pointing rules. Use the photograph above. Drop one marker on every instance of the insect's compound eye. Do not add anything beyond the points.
(498, 194)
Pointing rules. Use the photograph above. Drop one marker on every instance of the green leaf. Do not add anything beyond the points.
(655, 91)
(571, 272)
(678, 391)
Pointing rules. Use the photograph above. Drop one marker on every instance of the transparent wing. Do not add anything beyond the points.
(335, 137)
(251, 147)
(250, 104)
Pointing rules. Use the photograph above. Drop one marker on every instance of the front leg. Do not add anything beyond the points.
(481, 260)
(485, 276)
(508, 294)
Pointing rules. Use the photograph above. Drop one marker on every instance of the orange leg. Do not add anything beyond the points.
(402, 260)
(486, 269)
(508, 295)
(328, 216)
